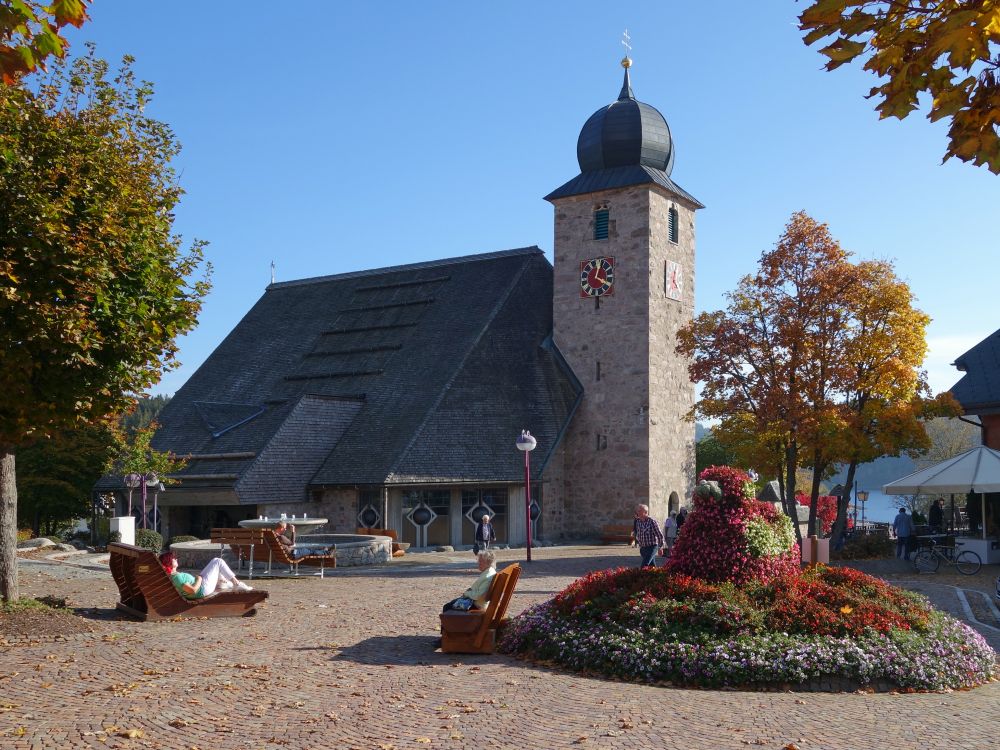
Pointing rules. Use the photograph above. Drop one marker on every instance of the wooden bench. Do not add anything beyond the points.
(616, 533)
(474, 632)
(148, 594)
(398, 550)
(242, 542)
(277, 553)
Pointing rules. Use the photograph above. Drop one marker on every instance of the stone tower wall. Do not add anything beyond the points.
(671, 437)
(628, 443)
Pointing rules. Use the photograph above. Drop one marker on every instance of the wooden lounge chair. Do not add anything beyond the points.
(242, 542)
(474, 632)
(276, 553)
(147, 593)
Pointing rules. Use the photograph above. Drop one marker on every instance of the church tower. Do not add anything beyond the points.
(623, 286)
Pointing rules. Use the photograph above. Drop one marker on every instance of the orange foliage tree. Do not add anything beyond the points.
(814, 362)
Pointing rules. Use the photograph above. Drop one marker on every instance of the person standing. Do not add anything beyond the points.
(484, 534)
(682, 515)
(670, 532)
(903, 526)
(935, 516)
(646, 534)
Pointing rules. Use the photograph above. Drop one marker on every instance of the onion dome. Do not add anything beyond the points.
(625, 133)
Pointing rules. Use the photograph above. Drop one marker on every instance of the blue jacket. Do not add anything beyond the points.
(903, 525)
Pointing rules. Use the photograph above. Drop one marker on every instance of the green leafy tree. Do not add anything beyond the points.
(949, 49)
(146, 410)
(710, 452)
(94, 285)
(30, 31)
(55, 477)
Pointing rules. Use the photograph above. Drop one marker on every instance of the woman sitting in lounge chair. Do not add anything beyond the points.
(216, 576)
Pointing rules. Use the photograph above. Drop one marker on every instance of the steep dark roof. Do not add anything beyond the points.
(979, 389)
(619, 177)
(411, 373)
(625, 143)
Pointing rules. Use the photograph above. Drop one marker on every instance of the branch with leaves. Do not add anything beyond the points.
(30, 31)
(949, 49)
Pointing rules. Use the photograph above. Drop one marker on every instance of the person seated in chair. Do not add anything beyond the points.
(216, 576)
(285, 532)
(475, 596)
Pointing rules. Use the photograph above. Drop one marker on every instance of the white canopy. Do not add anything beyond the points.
(976, 470)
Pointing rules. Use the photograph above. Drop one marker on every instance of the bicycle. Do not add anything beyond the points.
(928, 559)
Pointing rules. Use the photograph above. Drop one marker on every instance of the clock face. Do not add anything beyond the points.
(597, 276)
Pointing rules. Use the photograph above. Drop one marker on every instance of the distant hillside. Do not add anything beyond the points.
(879, 472)
(700, 431)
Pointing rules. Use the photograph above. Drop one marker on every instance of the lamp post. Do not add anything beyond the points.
(132, 481)
(526, 443)
(862, 496)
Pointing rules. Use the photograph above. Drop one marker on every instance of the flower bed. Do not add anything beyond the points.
(655, 625)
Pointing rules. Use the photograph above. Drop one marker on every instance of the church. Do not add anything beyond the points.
(393, 397)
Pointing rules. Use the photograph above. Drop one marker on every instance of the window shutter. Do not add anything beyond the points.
(672, 224)
(601, 224)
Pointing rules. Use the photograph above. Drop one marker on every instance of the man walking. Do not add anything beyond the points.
(903, 526)
(646, 534)
(484, 534)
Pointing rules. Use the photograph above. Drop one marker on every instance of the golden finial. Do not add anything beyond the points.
(626, 61)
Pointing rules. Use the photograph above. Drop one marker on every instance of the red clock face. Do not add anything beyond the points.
(597, 277)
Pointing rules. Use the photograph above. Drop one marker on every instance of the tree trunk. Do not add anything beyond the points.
(8, 526)
(843, 503)
(814, 525)
(791, 464)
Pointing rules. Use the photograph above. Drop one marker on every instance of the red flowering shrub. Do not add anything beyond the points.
(820, 601)
(826, 510)
(713, 542)
(607, 589)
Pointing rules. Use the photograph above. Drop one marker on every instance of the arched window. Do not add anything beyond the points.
(672, 230)
(601, 219)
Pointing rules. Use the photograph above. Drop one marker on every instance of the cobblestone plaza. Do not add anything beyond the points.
(350, 662)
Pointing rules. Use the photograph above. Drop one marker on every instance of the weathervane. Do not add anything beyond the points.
(626, 39)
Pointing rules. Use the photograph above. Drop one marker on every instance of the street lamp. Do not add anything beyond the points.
(132, 481)
(862, 496)
(526, 443)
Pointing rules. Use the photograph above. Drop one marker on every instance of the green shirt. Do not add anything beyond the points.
(478, 591)
(180, 580)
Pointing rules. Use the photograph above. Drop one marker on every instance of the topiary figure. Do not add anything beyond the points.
(730, 536)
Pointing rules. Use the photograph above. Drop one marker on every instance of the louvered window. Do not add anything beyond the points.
(672, 224)
(601, 224)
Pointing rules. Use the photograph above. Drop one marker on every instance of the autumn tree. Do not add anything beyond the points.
(94, 285)
(883, 390)
(814, 363)
(757, 360)
(949, 49)
(30, 31)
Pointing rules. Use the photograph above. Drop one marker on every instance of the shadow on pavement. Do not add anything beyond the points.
(407, 650)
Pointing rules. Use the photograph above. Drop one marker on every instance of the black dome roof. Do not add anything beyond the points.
(625, 133)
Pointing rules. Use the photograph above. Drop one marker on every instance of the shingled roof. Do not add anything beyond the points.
(979, 389)
(401, 375)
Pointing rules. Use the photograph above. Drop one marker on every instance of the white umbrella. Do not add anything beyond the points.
(976, 470)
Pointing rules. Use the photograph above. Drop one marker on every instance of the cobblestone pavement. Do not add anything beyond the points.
(349, 662)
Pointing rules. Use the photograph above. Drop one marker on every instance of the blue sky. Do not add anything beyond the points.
(333, 137)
